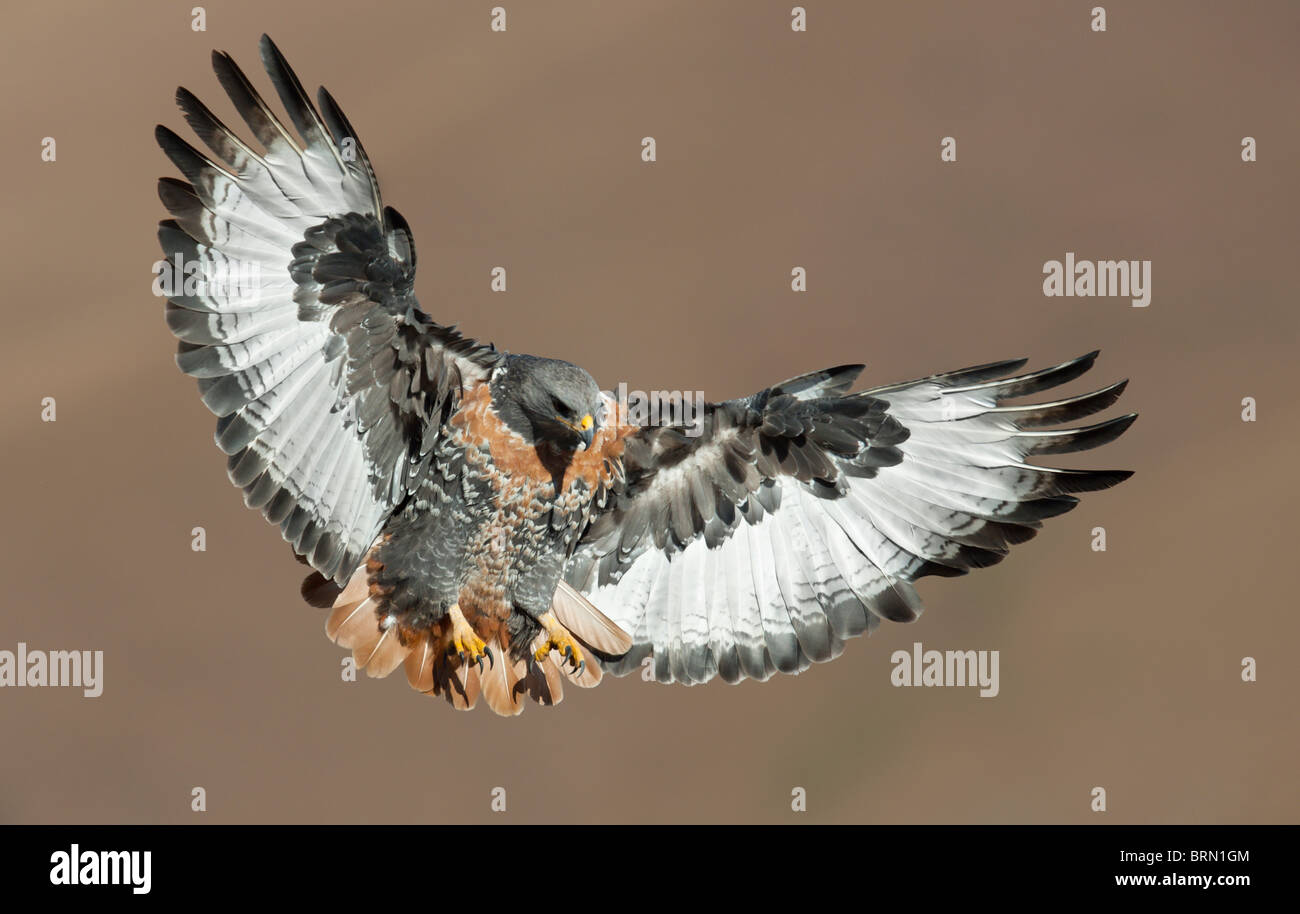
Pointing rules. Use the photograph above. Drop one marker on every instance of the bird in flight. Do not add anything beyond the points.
(495, 523)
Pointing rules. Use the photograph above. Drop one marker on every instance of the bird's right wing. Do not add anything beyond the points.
(292, 295)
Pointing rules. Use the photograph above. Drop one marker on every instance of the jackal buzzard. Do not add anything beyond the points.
(467, 510)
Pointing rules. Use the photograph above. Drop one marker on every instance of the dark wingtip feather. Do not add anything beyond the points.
(1036, 380)
(318, 590)
(985, 372)
(897, 604)
(934, 569)
(306, 120)
(174, 193)
(1069, 481)
(1068, 441)
(1039, 509)
(170, 229)
(1067, 409)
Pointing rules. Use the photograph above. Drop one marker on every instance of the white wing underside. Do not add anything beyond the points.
(789, 589)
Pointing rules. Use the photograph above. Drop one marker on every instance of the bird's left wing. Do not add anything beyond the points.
(291, 291)
(800, 516)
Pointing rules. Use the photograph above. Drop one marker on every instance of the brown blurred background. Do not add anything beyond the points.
(1118, 669)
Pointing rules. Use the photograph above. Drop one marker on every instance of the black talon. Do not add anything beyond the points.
(581, 668)
(492, 662)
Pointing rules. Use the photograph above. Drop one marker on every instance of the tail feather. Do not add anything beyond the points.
(470, 690)
(588, 678)
(384, 655)
(350, 623)
(419, 667)
(554, 680)
(591, 626)
(430, 671)
(381, 642)
(457, 682)
(499, 682)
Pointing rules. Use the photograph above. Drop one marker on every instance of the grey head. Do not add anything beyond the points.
(547, 400)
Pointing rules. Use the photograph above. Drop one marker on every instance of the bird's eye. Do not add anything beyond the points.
(561, 408)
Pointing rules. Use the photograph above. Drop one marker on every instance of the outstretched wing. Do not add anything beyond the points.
(800, 516)
(293, 302)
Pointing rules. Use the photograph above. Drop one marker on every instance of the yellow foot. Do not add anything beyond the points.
(558, 639)
(463, 642)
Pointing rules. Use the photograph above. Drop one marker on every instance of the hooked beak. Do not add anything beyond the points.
(585, 430)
